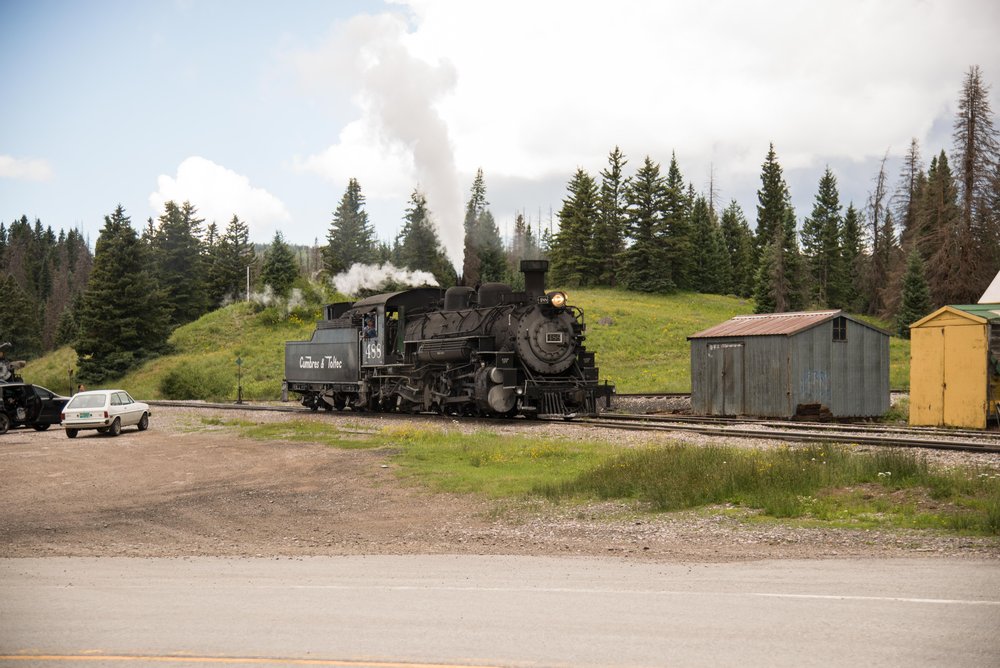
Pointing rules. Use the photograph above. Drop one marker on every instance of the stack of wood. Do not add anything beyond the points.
(813, 413)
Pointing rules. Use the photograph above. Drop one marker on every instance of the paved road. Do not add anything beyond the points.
(497, 611)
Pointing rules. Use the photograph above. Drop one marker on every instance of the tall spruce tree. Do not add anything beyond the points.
(643, 263)
(739, 246)
(575, 260)
(942, 238)
(180, 263)
(779, 279)
(711, 259)
(418, 245)
(772, 200)
(976, 154)
(916, 299)
(20, 324)
(229, 260)
(906, 201)
(853, 260)
(279, 269)
(123, 316)
(351, 238)
(821, 244)
(610, 229)
(675, 233)
(484, 254)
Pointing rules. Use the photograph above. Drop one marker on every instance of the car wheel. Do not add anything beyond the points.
(4, 423)
(116, 427)
(71, 432)
(143, 422)
(41, 426)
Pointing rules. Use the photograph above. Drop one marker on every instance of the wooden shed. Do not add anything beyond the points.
(954, 367)
(788, 364)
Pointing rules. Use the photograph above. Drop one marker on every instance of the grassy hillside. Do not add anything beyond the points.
(640, 341)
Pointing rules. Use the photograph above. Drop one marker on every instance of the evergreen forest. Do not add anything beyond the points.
(927, 236)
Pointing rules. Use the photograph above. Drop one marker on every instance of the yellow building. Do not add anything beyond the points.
(955, 366)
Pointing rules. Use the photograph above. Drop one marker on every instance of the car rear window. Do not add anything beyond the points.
(87, 401)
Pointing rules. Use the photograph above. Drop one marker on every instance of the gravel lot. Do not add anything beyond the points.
(183, 489)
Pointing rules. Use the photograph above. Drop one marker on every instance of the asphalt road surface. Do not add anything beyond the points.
(497, 611)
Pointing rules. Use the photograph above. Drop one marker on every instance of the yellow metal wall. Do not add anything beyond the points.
(948, 356)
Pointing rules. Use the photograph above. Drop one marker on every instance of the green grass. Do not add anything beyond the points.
(822, 485)
(642, 347)
(645, 348)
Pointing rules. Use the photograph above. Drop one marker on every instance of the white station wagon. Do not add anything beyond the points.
(107, 411)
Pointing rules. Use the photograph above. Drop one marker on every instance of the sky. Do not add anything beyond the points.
(265, 110)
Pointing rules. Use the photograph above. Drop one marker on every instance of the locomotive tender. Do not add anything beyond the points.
(460, 351)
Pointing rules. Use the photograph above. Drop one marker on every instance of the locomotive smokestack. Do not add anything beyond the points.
(534, 277)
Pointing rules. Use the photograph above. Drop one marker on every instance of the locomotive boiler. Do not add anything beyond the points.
(490, 351)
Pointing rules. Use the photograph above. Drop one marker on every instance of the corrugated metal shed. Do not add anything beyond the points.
(955, 366)
(782, 364)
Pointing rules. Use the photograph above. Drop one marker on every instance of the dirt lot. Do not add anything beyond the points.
(180, 489)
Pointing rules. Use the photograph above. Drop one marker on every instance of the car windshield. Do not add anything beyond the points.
(88, 401)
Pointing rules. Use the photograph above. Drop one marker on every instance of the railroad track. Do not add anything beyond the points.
(862, 434)
(942, 439)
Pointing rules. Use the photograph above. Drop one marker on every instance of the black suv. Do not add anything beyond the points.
(23, 404)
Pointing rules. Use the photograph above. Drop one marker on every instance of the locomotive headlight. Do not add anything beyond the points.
(557, 299)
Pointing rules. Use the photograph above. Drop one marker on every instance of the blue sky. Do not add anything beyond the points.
(266, 109)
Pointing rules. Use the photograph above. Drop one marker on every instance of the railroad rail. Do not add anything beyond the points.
(805, 431)
(861, 434)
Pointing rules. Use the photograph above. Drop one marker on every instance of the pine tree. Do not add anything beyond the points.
(772, 199)
(739, 246)
(279, 269)
(907, 198)
(20, 323)
(492, 262)
(821, 244)
(941, 238)
(780, 276)
(180, 263)
(418, 245)
(123, 318)
(351, 239)
(976, 155)
(228, 263)
(643, 263)
(916, 301)
(574, 259)
(711, 261)
(879, 267)
(610, 229)
(474, 210)
(676, 234)
(852, 260)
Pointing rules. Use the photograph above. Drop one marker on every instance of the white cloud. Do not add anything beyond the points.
(531, 90)
(26, 169)
(219, 193)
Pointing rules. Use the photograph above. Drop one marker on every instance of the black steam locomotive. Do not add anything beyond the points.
(460, 351)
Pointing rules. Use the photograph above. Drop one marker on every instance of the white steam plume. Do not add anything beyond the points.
(396, 92)
(375, 277)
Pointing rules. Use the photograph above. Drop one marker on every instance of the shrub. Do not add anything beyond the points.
(193, 381)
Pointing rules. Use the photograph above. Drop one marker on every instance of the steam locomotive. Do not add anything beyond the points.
(460, 351)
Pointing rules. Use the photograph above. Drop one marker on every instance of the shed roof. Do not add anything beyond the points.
(769, 324)
(961, 313)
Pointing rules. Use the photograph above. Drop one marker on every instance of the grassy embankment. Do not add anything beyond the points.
(644, 347)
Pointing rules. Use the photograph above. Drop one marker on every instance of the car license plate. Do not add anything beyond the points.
(84, 415)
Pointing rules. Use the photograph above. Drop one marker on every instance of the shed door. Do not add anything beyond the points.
(725, 376)
(948, 377)
(965, 377)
